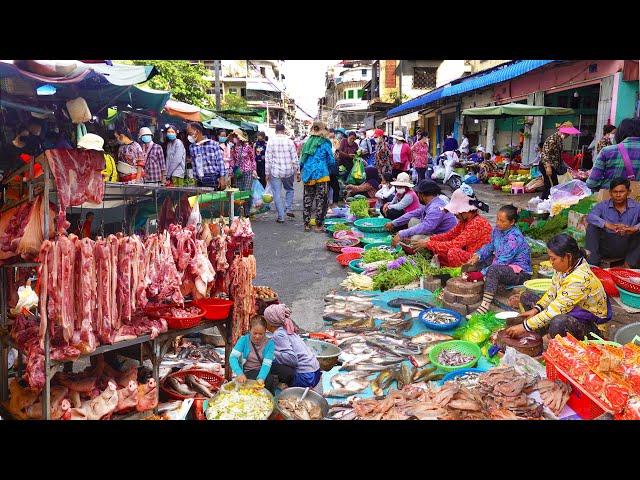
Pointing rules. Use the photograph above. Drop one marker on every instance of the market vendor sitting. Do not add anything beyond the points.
(405, 199)
(290, 349)
(369, 187)
(472, 232)
(613, 229)
(429, 219)
(478, 157)
(505, 260)
(576, 302)
(252, 357)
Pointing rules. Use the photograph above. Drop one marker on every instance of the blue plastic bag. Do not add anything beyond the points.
(257, 190)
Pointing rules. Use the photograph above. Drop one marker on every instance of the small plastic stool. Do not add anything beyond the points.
(517, 190)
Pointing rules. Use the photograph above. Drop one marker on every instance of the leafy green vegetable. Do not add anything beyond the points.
(551, 227)
(359, 208)
(376, 255)
(338, 227)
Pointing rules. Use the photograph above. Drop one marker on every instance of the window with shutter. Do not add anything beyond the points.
(390, 74)
(424, 77)
(350, 94)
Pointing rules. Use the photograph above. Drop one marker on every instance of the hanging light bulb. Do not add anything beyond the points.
(575, 94)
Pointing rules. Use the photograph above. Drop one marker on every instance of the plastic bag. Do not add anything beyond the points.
(479, 328)
(522, 363)
(257, 190)
(356, 176)
(195, 218)
(414, 176)
(574, 189)
(471, 179)
(438, 173)
(27, 299)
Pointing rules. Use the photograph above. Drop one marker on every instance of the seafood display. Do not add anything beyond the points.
(555, 395)
(469, 380)
(454, 358)
(300, 410)
(440, 318)
(190, 386)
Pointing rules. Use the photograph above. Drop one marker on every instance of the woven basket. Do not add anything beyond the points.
(336, 245)
(215, 380)
(620, 276)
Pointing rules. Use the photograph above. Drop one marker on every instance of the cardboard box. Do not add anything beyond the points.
(635, 192)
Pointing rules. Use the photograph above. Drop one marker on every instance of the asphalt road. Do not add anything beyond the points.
(297, 265)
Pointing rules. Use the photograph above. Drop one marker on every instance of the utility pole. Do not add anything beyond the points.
(216, 67)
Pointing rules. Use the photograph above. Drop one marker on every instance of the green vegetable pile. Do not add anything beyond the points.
(501, 182)
(376, 255)
(548, 229)
(359, 208)
(338, 227)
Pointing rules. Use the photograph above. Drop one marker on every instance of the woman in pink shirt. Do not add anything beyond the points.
(420, 155)
(400, 153)
(405, 201)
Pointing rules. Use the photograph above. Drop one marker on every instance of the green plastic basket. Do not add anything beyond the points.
(629, 299)
(331, 228)
(371, 225)
(377, 239)
(332, 221)
(375, 245)
(352, 265)
(461, 346)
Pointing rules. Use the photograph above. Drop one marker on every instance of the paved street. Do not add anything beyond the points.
(297, 265)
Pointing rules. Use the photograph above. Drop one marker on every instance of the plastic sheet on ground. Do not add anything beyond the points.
(382, 298)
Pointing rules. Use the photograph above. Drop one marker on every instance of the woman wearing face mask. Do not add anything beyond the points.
(551, 164)
(382, 154)
(400, 153)
(176, 157)
(244, 162)
(506, 260)
(472, 232)
(369, 187)
(155, 169)
(420, 155)
(576, 302)
(130, 157)
(405, 200)
(608, 137)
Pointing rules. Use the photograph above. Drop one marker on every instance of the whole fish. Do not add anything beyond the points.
(398, 326)
(342, 379)
(351, 387)
(178, 387)
(198, 386)
(385, 378)
(398, 302)
(406, 373)
(349, 323)
(430, 337)
(377, 390)
(419, 375)
(419, 360)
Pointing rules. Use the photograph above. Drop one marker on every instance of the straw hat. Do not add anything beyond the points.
(403, 180)
(91, 141)
(567, 128)
(397, 134)
(459, 203)
(144, 131)
(241, 135)
(319, 128)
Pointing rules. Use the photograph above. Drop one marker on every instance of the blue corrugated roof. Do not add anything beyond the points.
(483, 79)
(417, 102)
(495, 76)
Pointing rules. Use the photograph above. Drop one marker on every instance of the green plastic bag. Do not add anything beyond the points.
(357, 175)
(479, 328)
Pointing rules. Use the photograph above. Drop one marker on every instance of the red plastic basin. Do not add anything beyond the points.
(215, 308)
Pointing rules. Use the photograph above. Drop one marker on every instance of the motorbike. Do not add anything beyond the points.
(442, 170)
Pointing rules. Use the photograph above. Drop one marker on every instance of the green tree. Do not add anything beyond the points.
(185, 81)
(231, 101)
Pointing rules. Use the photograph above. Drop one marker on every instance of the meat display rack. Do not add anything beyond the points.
(159, 345)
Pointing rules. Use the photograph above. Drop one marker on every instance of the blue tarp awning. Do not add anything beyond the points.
(499, 74)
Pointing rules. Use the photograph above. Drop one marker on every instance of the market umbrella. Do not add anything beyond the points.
(240, 112)
(219, 122)
(515, 110)
(249, 126)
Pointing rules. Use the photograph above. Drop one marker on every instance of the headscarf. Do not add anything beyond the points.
(373, 178)
(279, 315)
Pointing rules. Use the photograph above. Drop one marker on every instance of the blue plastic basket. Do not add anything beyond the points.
(371, 225)
(628, 298)
(437, 326)
(352, 265)
(456, 373)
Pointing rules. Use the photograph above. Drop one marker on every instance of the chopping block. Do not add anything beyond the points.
(463, 298)
(458, 286)
(461, 308)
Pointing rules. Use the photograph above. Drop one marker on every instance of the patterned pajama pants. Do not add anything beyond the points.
(315, 202)
(245, 184)
(500, 274)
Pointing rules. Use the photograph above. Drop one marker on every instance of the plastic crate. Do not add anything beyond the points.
(582, 402)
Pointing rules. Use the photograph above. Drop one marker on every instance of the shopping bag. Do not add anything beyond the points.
(257, 191)
(356, 177)
(414, 176)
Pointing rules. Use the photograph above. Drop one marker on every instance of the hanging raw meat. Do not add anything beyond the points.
(15, 228)
(243, 271)
(183, 211)
(166, 216)
(32, 237)
(78, 178)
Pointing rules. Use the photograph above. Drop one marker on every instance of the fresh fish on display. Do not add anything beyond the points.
(178, 387)
(424, 374)
(411, 311)
(420, 360)
(430, 337)
(170, 406)
(338, 412)
(199, 385)
(406, 373)
(397, 326)
(440, 318)
(344, 386)
(453, 358)
(398, 302)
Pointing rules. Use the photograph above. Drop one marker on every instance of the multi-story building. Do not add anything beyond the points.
(260, 83)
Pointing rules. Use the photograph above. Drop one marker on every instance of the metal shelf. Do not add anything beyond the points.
(22, 265)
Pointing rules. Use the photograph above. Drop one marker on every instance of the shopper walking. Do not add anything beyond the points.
(206, 157)
(155, 169)
(316, 161)
(608, 136)
(281, 165)
(383, 154)
(334, 184)
(259, 149)
(420, 155)
(243, 163)
(176, 157)
(346, 154)
(400, 153)
(130, 157)
(551, 164)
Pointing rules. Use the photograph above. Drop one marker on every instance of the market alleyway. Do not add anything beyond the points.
(298, 266)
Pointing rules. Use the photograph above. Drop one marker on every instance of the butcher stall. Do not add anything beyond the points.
(103, 328)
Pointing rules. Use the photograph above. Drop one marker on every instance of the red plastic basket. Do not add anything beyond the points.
(620, 276)
(215, 308)
(344, 258)
(582, 402)
(607, 280)
(177, 323)
(337, 245)
(215, 380)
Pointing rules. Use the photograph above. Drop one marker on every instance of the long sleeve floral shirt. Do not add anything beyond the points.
(508, 247)
(469, 236)
(243, 157)
(552, 151)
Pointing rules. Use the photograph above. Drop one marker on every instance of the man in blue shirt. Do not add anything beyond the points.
(613, 227)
